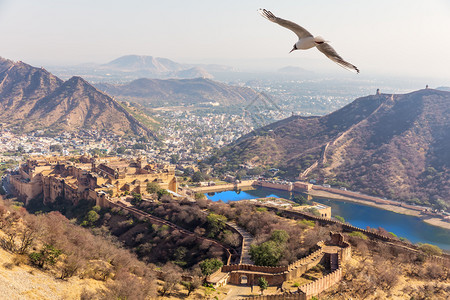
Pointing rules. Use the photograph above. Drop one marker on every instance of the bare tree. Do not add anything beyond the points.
(171, 277)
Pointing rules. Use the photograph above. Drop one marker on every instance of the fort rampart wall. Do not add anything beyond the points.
(350, 228)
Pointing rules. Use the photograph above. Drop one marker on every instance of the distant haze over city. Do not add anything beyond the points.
(401, 38)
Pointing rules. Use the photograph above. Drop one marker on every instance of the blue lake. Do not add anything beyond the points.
(410, 227)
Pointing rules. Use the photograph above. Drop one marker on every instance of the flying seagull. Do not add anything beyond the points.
(306, 40)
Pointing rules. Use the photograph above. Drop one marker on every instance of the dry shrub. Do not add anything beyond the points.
(362, 247)
(20, 259)
(432, 290)
(89, 295)
(129, 286)
(70, 265)
(8, 265)
(98, 270)
(171, 276)
(362, 280)
(20, 231)
(436, 271)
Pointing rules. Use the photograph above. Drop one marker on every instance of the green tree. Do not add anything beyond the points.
(174, 159)
(152, 187)
(255, 171)
(121, 150)
(441, 204)
(215, 224)
(198, 176)
(198, 196)
(162, 192)
(91, 217)
(279, 236)
(139, 146)
(340, 219)
(300, 199)
(263, 284)
(313, 211)
(209, 266)
(358, 234)
(179, 254)
(97, 151)
(430, 249)
(266, 254)
(47, 255)
(137, 198)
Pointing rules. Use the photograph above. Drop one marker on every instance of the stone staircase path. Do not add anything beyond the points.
(248, 240)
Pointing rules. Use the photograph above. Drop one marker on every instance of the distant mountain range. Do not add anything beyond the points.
(149, 66)
(396, 146)
(294, 70)
(444, 88)
(32, 99)
(130, 67)
(169, 92)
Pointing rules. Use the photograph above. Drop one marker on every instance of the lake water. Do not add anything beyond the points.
(410, 227)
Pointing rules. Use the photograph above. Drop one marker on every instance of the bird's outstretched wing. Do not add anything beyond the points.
(329, 52)
(297, 29)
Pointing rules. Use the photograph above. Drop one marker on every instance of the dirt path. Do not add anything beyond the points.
(238, 291)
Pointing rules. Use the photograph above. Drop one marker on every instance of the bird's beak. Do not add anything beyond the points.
(292, 50)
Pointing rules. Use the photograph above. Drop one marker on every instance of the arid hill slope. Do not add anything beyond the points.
(389, 145)
(32, 98)
(157, 92)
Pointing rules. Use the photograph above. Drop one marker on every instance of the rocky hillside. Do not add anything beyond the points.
(32, 98)
(157, 92)
(21, 86)
(388, 145)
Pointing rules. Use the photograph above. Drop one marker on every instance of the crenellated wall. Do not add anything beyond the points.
(302, 265)
(326, 221)
(321, 284)
(253, 268)
(274, 275)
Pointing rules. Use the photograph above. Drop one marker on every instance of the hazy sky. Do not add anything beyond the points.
(391, 37)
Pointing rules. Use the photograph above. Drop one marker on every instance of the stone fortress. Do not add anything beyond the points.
(92, 178)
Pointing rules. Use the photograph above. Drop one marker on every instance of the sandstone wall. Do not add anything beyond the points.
(224, 187)
(321, 284)
(277, 186)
